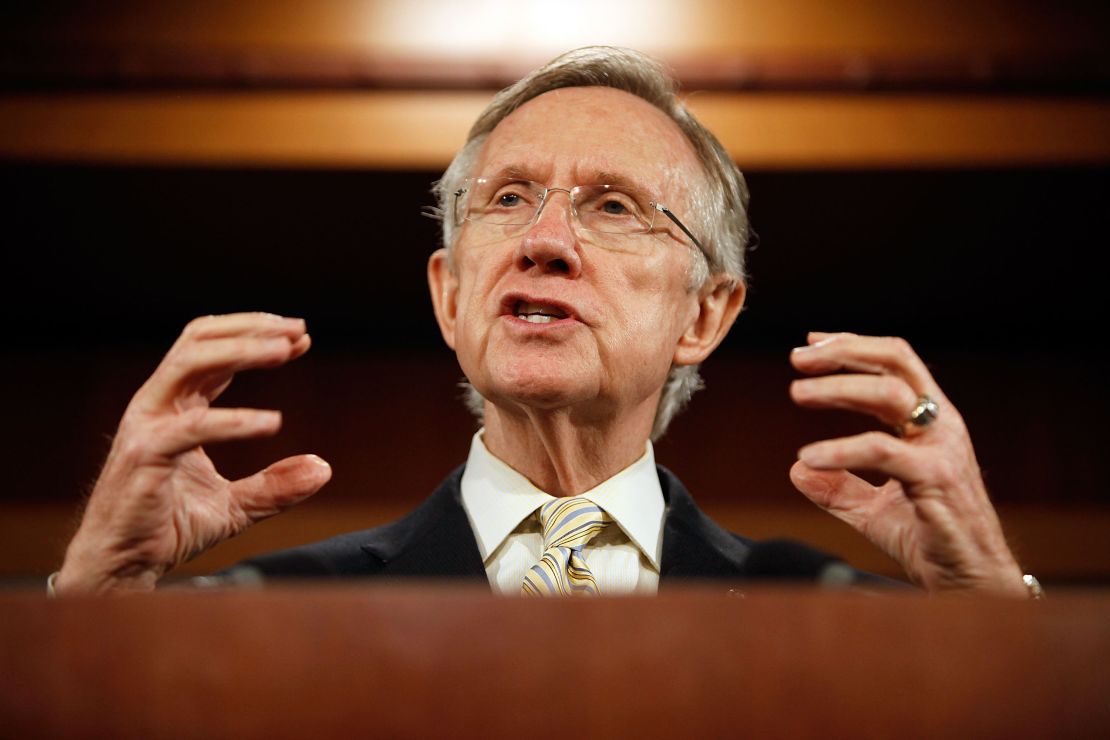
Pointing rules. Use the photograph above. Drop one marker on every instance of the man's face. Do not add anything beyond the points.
(620, 314)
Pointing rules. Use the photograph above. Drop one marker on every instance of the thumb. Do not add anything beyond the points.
(844, 495)
(283, 484)
(822, 487)
(882, 515)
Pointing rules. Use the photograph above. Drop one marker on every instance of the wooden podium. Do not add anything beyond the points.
(443, 661)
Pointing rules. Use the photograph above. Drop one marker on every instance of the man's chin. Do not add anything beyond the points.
(541, 393)
(540, 399)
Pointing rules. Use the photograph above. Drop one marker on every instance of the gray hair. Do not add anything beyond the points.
(718, 208)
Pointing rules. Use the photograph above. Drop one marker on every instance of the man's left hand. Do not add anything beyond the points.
(933, 515)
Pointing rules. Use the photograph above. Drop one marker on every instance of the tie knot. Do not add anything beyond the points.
(571, 522)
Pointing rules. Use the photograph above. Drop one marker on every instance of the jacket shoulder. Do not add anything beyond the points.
(387, 547)
(695, 546)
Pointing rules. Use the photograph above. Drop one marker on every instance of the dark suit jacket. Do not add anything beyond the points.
(436, 541)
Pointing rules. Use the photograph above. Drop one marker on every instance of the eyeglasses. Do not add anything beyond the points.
(607, 209)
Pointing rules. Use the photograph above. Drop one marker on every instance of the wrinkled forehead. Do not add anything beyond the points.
(579, 135)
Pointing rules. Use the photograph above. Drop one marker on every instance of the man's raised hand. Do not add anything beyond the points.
(159, 500)
(933, 514)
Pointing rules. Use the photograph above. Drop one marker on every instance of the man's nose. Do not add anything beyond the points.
(550, 242)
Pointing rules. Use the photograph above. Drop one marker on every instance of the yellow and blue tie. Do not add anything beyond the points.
(568, 524)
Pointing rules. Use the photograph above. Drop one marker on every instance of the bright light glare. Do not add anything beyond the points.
(530, 28)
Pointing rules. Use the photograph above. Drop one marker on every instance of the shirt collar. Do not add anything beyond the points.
(497, 499)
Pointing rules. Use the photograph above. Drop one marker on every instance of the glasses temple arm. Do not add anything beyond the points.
(667, 212)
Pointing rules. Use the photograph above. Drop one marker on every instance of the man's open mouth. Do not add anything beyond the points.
(537, 313)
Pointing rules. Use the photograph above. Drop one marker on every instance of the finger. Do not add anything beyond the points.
(814, 337)
(881, 514)
(209, 364)
(300, 346)
(214, 386)
(280, 486)
(203, 425)
(244, 324)
(831, 489)
(847, 496)
(835, 352)
(886, 397)
(869, 451)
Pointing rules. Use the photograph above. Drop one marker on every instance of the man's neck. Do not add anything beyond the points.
(558, 453)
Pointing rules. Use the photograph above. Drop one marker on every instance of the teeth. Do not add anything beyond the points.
(524, 309)
(537, 318)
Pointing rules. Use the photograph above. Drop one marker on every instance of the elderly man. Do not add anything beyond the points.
(594, 236)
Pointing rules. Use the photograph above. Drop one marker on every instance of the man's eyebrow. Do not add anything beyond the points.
(623, 182)
(512, 172)
(600, 177)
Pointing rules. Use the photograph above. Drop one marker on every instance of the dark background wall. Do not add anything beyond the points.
(993, 275)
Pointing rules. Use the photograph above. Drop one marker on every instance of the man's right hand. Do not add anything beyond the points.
(159, 500)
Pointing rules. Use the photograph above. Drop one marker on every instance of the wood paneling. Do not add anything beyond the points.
(790, 131)
(402, 130)
(293, 84)
(301, 662)
(489, 42)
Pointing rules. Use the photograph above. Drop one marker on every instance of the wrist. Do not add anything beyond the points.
(72, 582)
(1011, 583)
(91, 572)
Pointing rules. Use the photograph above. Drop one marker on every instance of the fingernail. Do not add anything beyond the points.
(276, 343)
(810, 455)
(815, 345)
(269, 418)
(319, 461)
(815, 484)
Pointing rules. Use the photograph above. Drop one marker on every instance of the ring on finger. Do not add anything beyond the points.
(922, 415)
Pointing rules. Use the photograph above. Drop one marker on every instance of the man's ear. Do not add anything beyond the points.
(719, 303)
(444, 286)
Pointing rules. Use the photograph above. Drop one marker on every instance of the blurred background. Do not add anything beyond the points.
(936, 170)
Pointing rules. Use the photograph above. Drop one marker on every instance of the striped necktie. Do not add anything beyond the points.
(568, 524)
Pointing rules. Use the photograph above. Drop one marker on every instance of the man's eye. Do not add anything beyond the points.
(614, 207)
(512, 198)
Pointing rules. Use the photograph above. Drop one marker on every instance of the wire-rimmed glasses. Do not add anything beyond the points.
(514, 203)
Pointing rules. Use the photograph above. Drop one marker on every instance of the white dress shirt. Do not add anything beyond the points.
(503, 508)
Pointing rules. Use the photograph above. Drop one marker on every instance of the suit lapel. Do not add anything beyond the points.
(434, 540)
(694, 546)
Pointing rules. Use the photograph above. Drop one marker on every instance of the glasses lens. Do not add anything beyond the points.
(607, 209)
(613, 210)
(502, 201)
